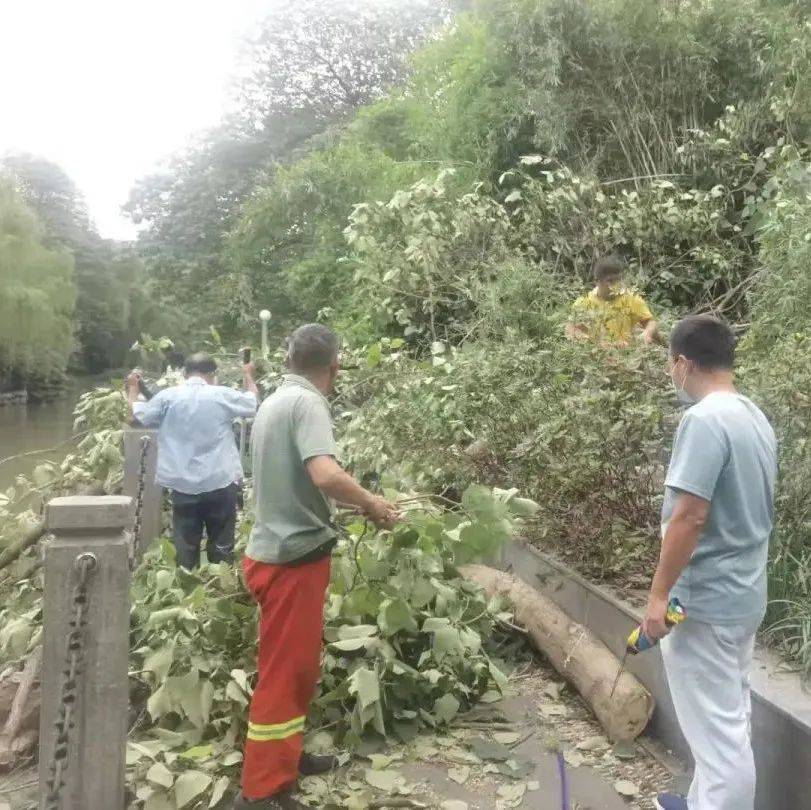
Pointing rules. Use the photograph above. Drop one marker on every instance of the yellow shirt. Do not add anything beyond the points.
(614, 319)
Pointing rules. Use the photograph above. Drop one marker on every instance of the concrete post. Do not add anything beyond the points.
(151, 521)
(95, 769)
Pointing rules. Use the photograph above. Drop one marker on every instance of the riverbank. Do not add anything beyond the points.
(13, 398)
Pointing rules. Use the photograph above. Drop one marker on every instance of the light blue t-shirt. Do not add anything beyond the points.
(197, 451)
(725, 452)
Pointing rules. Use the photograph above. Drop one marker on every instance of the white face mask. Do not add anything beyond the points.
(684, 397)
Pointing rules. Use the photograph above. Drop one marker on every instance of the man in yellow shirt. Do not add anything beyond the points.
(610, 313)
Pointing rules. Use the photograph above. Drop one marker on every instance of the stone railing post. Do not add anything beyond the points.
(151, 517)
(93, 764)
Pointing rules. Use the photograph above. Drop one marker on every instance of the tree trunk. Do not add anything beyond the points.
(575, 653)
(20, 703)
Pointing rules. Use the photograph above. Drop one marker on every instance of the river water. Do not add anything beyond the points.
(25, 428)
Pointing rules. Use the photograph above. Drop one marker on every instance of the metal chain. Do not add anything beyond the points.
(135, 548)
(85, 564)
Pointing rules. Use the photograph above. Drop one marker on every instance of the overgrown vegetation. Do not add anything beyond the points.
(444, 229)
(36, 294)
(406, 647)
(407, 639)
(448, 225)
(86, 322)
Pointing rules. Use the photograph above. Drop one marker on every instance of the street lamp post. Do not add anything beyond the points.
(264, 316)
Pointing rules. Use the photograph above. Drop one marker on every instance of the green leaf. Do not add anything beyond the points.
(241, 678)
(395, 615)
(198, 752)
(160, 801)
(351, 644)
(380, 761)
(374, 355)
(524, 507)
(235, 693)
(447, 641)
(626, 788)
(167, 615)
(219, 791)
(459, 775)
(160, 703)
(364, 631)
(446, 708)
(43, 474)
(489, 750)
(366, 685)
(15, 635)
(159, 774)
(189, 786)
(160, 661)
(387, 781)
(512, 793)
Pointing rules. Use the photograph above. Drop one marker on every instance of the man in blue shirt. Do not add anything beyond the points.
(716, 522)
(198, 459)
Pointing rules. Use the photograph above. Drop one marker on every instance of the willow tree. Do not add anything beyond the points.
(37, 295)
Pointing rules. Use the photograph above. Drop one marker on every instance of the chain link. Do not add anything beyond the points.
(135, 548)
(85, 564)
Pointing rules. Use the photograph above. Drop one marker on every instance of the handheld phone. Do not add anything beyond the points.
(246, 355)
(144, 390)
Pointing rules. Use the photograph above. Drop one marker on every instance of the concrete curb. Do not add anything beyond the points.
(781, 707)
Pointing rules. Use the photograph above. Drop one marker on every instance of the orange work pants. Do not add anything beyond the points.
(291, 626)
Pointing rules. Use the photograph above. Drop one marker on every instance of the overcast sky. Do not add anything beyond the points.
(107, 88)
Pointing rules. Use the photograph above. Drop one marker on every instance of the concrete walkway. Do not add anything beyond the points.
(503, 755)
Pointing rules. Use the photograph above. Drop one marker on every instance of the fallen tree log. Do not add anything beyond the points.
(20, 732)
(575, 653)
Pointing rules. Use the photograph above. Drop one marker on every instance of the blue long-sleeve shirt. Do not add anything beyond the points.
(197, 451)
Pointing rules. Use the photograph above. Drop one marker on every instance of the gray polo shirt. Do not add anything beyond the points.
(293, 517)
(726, 453)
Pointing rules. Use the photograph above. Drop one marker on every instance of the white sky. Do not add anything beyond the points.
(108, 88)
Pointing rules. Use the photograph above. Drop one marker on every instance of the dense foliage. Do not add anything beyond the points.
(407, 638)
(298, 80)
(110, 290)
(447, 224)
(443, 220)
(37, 295)
(406, 647)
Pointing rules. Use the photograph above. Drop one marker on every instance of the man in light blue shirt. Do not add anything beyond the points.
(198, 459)
(716, 521)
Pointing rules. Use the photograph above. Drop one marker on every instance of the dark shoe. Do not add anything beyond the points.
(671, 801)
(281, 801)
(315, 764)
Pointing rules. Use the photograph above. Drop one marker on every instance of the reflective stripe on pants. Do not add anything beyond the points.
(291, 624)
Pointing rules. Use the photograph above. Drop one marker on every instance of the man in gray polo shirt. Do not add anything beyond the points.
(716, 522)
(287, 564)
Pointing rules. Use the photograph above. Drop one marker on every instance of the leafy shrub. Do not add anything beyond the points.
(776, 352)
(582, 430)
(425, 253)
(406, 645)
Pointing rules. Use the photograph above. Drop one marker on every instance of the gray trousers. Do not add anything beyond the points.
(707, 669)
